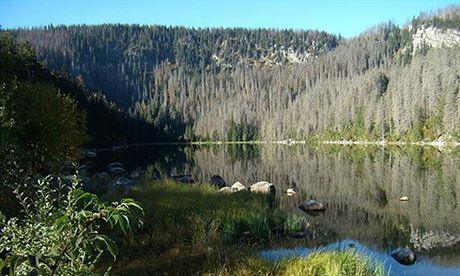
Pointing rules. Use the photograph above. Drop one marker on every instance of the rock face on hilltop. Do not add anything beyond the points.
(435, 37)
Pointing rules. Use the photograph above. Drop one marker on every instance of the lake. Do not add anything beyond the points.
(360, 186)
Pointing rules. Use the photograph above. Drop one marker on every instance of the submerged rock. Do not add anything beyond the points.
(312, 206)
(218, 181)
(404, 256)
(263, 187)
(237, 187)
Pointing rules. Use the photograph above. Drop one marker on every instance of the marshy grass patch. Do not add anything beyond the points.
(332, 263)
(195, 230)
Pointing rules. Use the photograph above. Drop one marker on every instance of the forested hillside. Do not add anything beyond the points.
(240, 84)
(46, 116)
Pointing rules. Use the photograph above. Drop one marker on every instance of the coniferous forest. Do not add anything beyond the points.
(107, 149)
(240, 84)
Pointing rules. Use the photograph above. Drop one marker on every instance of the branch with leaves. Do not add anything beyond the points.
(62, 229)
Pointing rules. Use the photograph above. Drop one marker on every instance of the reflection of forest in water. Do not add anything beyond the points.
(360, 186)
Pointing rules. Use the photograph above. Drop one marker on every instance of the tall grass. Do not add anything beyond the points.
(332, 263)
(193, 229)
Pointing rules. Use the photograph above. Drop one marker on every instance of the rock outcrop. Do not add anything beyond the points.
(435, 37)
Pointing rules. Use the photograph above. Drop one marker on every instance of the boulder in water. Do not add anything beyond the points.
(115, 165)
(404, 256)
(226, 190)
(291, 192)
(187, 178)
(238, 186)
(312, 206)
(263, 187)
(124, 182)
(217, 181)
(136, 173)
(117, 171)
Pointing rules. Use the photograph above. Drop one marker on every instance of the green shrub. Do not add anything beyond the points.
(61, 231)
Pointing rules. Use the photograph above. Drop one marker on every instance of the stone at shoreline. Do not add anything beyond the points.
(123, 181)
(115, 165)
(226, 190)
(117, 171)
(91, 154)
(217, 181)
(404, 256)
(238, 186)
(187, 178)
(102, 178)
(137, 173)
(88, 153)
(312, 206)
(291, 192)
(263, 187)
(299, 235)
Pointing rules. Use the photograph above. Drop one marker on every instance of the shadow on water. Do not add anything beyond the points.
(360, 187)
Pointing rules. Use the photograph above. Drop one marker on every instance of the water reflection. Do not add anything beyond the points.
(360, 187)
(424, 265)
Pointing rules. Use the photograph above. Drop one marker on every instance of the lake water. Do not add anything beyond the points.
(360, 187)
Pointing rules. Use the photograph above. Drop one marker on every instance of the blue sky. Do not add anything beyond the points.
(349, 18)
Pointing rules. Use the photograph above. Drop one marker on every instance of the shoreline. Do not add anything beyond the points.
(437, 144)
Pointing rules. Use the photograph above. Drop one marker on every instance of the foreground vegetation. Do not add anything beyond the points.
(193, 229)
(62, 230)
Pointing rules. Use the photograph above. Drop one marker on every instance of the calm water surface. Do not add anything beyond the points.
(360, 187)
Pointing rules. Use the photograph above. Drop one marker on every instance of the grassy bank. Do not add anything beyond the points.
(193, 229)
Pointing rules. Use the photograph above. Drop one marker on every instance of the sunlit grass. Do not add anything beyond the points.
(331, 264)
(193, 229)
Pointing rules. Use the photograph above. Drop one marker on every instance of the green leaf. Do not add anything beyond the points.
(110, 245)
(61, 222)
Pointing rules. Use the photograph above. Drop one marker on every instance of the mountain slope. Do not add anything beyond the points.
(238, 84)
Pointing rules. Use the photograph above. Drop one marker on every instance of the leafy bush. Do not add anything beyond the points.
(61, 230)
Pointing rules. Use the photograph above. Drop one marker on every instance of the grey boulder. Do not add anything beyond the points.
(404, 256)
(312, 206)
(218, 181)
